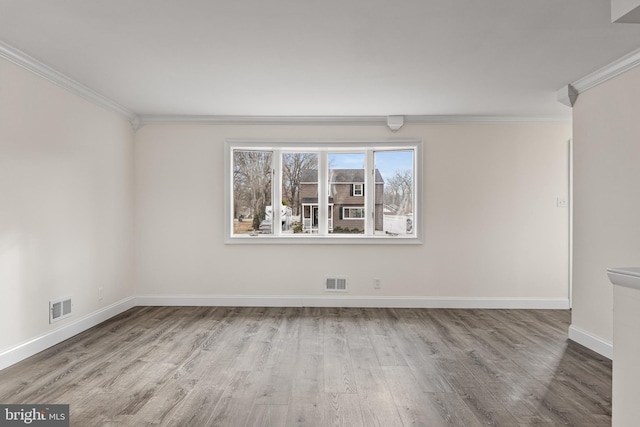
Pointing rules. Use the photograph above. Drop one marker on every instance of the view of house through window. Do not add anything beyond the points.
(366, 191)
(346, 175)
(300, 192)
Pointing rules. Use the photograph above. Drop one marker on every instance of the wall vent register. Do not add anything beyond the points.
(335, 284)
(59, 309)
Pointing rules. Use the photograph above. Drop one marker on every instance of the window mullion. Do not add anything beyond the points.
(276, 199)
(323, 193)
(369, 192)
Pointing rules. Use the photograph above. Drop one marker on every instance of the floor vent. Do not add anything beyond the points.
(59, 309)
(335, 284)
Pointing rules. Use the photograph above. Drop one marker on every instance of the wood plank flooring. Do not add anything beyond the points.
(228, 366)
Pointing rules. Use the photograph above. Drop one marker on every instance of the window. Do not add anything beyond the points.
(323, 192)
(353, 213)
(346, 171)
(396, 194)
(252, 191)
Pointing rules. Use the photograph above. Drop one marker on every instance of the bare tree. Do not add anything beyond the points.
(251, 182)
(293, 166)
(398, 191)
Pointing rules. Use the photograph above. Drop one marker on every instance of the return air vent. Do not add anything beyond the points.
(59, 309)
(335, 284)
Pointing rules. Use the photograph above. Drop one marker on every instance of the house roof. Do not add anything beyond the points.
(313, 200)
(338, 176)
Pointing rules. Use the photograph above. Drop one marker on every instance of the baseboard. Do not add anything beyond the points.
(592, 342)
(22, 351)
(350, 301)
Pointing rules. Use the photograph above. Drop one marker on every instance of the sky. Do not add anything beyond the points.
(387, 162)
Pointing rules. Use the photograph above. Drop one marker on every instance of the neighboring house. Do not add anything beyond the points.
(346, 199)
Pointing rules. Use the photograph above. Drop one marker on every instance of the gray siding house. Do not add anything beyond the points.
(346, 200)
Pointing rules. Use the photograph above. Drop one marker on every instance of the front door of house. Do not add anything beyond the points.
(314, 216)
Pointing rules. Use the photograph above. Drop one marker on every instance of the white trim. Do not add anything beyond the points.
(568, 94)
(276, 192)
(369, 190)
(228, 183)
(592, 342)
(481, 119)
(343, 120)
(329, 239)
(27, 349)
(323, 195)
(607, 72)
(570, 221)
(350, 301)
(262, 120)
(30, 63)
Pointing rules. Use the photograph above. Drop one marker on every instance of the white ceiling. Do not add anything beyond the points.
(322, 58)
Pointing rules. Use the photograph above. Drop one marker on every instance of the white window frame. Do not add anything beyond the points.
(323, 148)
(349, 208)
(359, 192)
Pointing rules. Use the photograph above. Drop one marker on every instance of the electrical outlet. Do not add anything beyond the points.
(377, 283)
(562, 202)
(100, 293)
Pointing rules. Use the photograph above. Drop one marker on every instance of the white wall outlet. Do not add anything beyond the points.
(100, 293)
(562, 202)
(377, 283)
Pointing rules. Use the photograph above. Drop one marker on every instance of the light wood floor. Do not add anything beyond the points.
(206, 366)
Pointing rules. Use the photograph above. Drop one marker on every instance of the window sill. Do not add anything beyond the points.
(262, 239)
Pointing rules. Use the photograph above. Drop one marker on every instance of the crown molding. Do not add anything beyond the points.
(341, 120)
(476, 119)
(262, 120)
(569, 93)
(617, 67)
(29, 63)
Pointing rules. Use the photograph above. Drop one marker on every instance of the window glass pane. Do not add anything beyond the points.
(299, 208)
(352, 213)
(252, 190)
(346, 174)
(394, 192)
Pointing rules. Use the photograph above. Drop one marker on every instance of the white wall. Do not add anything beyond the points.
(493, 229)
(606, 198)
(66, 205)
